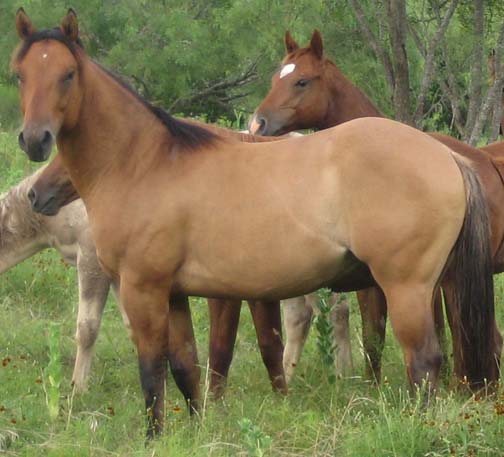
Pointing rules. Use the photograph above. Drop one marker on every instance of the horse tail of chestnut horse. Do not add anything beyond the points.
(471, 270)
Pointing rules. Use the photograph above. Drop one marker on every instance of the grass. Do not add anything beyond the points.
(348, 418)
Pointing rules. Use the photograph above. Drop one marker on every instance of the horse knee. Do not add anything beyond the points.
(87, 332)
(298, 323)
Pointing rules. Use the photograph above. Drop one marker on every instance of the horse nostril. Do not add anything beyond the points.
(32, 196)
(21, 141)
(47, 138)
(262, 125)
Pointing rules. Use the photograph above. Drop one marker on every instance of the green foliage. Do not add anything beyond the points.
(256, 442)
(53, 371)
(173, 52)
(325, 339)
(9, 111)
(170, 51)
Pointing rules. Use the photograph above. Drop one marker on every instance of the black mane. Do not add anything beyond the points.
(187, 135)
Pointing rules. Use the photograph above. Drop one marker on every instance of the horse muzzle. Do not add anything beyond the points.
(266, 126)
(36, 143)
(45, 204)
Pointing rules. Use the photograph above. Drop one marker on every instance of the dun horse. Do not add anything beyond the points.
(54, 190)
(311, 92)
(177, 210)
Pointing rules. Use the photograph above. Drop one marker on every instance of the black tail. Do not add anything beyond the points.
(471, 269)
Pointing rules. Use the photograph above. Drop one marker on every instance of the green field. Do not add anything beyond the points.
(349, 418)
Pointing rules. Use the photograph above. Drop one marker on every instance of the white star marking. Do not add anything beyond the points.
(287, 70)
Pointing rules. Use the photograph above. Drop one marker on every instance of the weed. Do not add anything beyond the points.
(255, 440)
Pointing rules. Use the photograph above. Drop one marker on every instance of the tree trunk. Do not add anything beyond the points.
(476, 69)
(374, 43)
(429, 65)
(494, 96)
(398, 21)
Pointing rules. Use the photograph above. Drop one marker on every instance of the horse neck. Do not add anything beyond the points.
(346, 102)
(113, 124)
(22, 231)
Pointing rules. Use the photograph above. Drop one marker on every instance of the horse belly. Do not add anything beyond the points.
(272, 275)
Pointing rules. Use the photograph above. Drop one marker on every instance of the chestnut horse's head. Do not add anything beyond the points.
(299, 92)
(52, 189)
(47, 67)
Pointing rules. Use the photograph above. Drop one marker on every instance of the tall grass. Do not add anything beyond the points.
(348, 418)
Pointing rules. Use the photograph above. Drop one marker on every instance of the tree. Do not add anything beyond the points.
(433, 26)
(214, 58)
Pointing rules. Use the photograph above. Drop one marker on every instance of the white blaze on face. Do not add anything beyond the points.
(44, 56)
(287, 70)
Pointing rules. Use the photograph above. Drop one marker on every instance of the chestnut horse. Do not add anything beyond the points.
(310, 91)
(177, 210)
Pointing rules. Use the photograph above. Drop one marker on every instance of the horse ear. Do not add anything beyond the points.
(70, 25)
(316, 44)
(290, 44)
(24, 25)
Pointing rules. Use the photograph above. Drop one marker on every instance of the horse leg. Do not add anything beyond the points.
(373, 308)
(297, 316)
(340, 314)
(124, 316)
(224, 318)
(93, 291)
(182, 353)
(268, 325)
(145, 304)
(410, 310)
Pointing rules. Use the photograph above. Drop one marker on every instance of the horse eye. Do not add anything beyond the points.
(19, 79)
(69, 76)
(302, 82)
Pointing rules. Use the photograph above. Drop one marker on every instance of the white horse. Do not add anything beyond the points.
(23, 233)
(298, 314)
